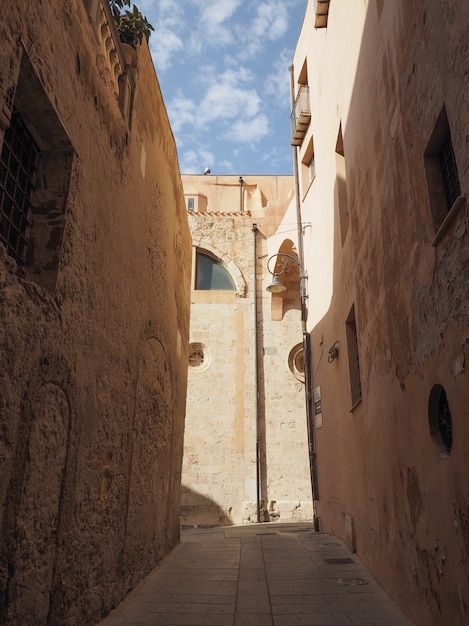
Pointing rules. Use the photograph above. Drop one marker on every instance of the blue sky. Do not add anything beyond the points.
(223, 70)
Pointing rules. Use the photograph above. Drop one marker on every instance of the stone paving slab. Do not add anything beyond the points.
(258, 575)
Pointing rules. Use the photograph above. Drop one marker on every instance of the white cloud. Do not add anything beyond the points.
(230, 107)
(146, 6)
(194, 161)
(249, 130)
(215, 13)
(269, 24)
(226, 165)
(168, 20)
(162, 9)
(279, 158)
(225, 101)
(271, 21)
(277, 82)
(207, 157)
(227, 88)
(212, 24)
(163, 46)
(182, 111)
(189, 162)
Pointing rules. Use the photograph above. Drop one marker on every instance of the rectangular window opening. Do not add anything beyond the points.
(36, 160)
(449, 172)
(341, 186)
(444, 189)
(353, 358)
(308, 166)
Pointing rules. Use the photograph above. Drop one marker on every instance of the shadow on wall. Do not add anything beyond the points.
(199, 511)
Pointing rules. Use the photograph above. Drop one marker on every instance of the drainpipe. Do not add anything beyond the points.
(306, 336)
(241, 199)
(256, 379)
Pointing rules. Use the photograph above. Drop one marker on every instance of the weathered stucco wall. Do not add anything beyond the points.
(93, 365)
(383, 72)
(219, 467)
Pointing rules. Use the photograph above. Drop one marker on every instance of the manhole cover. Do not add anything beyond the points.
(330, 544)
(338, 561)
(353, 581)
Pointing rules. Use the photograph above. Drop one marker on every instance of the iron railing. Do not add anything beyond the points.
(301, 115)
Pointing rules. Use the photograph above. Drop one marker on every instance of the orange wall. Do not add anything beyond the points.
(384, 70)
(94, 367)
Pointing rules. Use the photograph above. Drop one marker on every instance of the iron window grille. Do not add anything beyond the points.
(17, 168)
(444, 189)
(440, 421)
(353, 357)
(445, 424)
(300, 117)
(449, 171)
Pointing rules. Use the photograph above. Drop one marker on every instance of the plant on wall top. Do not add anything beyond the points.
(132, 26)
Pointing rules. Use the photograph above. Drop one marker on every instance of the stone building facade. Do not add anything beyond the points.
(246, 443)
(380, 124)
(94, 315)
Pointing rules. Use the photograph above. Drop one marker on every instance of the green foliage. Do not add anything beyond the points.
(132, 26)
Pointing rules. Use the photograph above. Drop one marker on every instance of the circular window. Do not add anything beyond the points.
(198, 356)
(440, 422)
(296, 362)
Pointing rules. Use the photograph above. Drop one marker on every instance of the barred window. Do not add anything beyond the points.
(444, 188)
(17, 168)
(449, 171)
(36, 162)
(353, 358)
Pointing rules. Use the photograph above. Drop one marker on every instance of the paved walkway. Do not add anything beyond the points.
(258, 575)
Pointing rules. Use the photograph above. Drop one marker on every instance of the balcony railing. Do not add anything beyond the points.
(300, 116)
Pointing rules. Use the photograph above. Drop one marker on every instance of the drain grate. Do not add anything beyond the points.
(353, 582)
(338, 561)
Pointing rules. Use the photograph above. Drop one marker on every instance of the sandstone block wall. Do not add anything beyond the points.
(219, 467)
(93, 350)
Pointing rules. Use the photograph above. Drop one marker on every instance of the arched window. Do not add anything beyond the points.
(211, 275)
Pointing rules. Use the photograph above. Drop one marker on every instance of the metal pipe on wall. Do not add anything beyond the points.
(304, 315)
(256, 378)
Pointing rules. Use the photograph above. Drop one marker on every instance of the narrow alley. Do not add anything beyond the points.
(258, 575)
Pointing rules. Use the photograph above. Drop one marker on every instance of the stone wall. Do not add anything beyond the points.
(93, 351)
(219, 468)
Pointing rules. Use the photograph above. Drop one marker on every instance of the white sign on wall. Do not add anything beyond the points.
(317, 407)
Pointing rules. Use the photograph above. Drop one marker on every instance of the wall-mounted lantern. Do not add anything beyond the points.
(282, 265)
(333, 352)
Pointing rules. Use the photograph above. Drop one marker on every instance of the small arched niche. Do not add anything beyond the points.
(288, 271)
